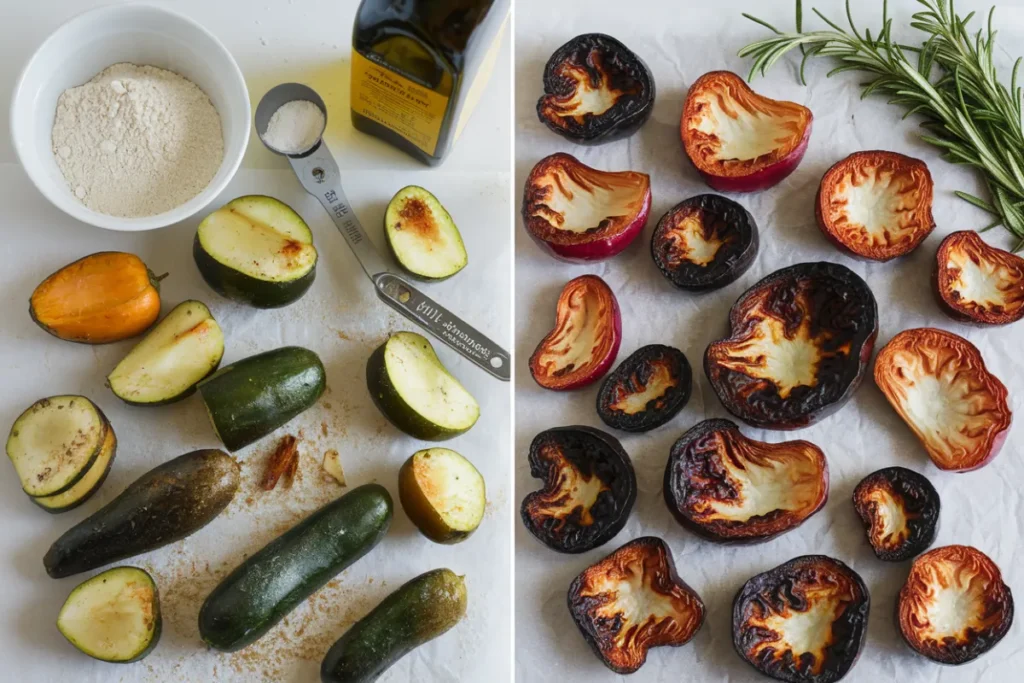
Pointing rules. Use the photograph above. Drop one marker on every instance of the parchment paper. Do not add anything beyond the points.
(681, 41)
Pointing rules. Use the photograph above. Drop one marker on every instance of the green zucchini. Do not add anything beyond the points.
(85, 487)
(252, 397)
(411, 387)
(54, 443)
(416, 613)
(164, 505)
(443, 494)
(166, 365)
(422, 236)
(114, 616)
(256, 250)
(271, 583)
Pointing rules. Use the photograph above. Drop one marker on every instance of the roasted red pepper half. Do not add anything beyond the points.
(647, 389)
(976, 283)
(900, 511)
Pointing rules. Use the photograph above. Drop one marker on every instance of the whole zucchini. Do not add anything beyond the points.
(271, 583)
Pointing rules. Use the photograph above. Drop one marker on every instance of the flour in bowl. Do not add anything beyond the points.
(137, 140)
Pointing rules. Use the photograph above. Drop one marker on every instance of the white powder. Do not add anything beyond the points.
(137, 140)
(295, 127)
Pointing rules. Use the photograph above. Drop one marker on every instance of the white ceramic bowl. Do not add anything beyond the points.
(140, 34)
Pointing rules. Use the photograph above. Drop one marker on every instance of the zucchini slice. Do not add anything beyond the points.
(114, 616)
(411, 387)
(443, 494)
(256, 250)
(87, 485)
(55, 442)
(177, 354)
(422, 235)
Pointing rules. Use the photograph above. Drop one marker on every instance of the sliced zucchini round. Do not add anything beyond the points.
(443, 494)
(114, 616)
(256, 250)
(183, 348)
(411, 387)
(88, 484)
(55, 442)
(422, 235)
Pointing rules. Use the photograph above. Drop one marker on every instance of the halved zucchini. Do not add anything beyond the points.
(177, 354)
(54, 443)
(422, 235)
(87, 485)
(256, 250)
(411, 387)
(114, 616)
(443, 494)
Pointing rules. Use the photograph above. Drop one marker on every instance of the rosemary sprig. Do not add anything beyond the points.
(949, 79)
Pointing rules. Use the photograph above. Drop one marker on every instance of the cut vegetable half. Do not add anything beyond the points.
(900, 511)
(54, 443)
(89, 484)
(183, 349)
(256, 250)
(647, 389)
(577, 213)
(586, 338)
(740, 141)
(732, 489)
(938, 383)
(443, 494)
(876, 205)
(422, 235)
(977, 283)
(114, 616)
(595, 90)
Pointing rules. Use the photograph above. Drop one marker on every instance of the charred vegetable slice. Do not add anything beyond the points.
(595, 90)
(589, 489)
(633, 600)
(586, 338)
(704, 242)
(181, 350)
(731, 489)
(54, 443)
(804, 621)
(114, 616)
(256, 250)
(647, 389)
(413, 390)
(85, 487)
(443, 494)
(977, 283)
(740, 141)
(900, 511)
(799, 346)
(422, 235)
(577, 213)
(954, 606)
(939, 385)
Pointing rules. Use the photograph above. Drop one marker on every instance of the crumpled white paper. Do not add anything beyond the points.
(681, 41)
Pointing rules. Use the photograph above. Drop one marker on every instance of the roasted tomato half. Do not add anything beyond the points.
(704, 242)
(647, 389)
(577, 213)
(876, 205)
(900, 511)
(799, 345)
(803, 622)
(589, 489)
(595, 90)
(731, 489)
(954, 606)
(740, 141)
(977, 283)
(938, 383)
(586, 338)
(633, 600)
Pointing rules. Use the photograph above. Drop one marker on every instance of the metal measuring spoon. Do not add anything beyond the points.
(318, 174)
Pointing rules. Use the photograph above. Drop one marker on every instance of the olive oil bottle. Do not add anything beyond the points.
(419, 68)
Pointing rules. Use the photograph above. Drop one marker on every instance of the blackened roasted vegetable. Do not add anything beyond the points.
(634, 600)
(589, 489)
(595, 90)
(900, 511)
(804, 621)
(976, 283)
(647, 389)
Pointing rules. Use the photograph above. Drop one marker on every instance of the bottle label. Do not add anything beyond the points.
(392, 100)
